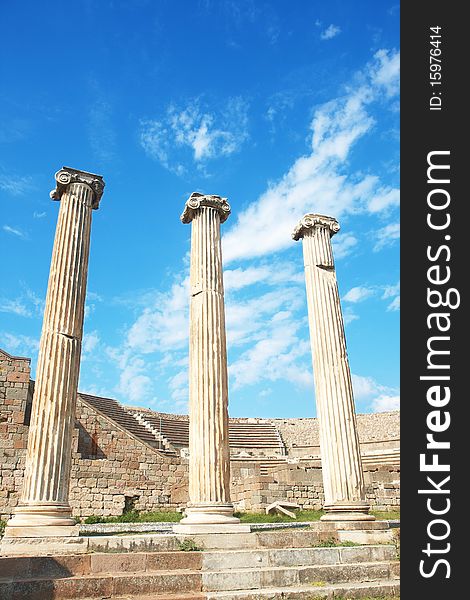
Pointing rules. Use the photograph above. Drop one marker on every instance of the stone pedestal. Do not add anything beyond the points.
(210, 508)
(44, 509)
(359, 532)
(343, 478)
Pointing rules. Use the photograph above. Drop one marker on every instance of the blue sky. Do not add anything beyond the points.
(284, 108)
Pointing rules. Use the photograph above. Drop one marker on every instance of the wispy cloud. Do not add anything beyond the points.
(330, 32)
(208, 134)
(319, 180)
(386, 71)
(385, 403)
(90, 342)
(349, 315)
(15, 185)
(162, 326)
(39, 215)
(387, 236)
(358, 294)
(15, 307)
(18, 344)
(275, 356)
(27, 304)
(267, 329)
(391, 293)
(15, 231)
(379, 397)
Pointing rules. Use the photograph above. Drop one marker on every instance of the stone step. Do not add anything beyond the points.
(154, 596)
(267, 577)
(30, 567)
(102, 586)
(164, 542)
(26, 567)
(290, 557)
(379, 589)
(283, 538)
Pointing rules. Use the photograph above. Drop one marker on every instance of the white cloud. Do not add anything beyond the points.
(343, 245)
(386, 71)
(90, 342)
(39, 215)
(318, 181)
(361, 293)
(394, 304)
(383, 200)
(251, 320)
(163, 326)
(273, 274)
(387, 236)
(207, 133)
(134, 383)
(273, 357)
(18, 344)
(178, 385)
(358, 294)
(330, 32)
(349, 315)
(15, 307)
(386, 403)
(392, 292)
(15, 231)
(14, 185)
(235, 279)
(381, 398)
(267, 329)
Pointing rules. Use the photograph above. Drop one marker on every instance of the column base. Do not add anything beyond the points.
(359, 532)
(210, 518)
(42, 520)
(347, 511)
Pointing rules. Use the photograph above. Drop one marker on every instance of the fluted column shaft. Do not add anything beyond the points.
(343, 478)
(209, 478)
(209, 453)
(44, 499)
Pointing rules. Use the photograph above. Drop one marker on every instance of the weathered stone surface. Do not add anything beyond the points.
(343, 478)
(209, 462)
(44, 501)
(105, 454)
(282, 507)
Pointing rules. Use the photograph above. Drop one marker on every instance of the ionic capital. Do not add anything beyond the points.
(196, 201)
(312, 221)
(67, 175)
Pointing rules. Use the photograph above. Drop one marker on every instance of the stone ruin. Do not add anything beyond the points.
(45, 506)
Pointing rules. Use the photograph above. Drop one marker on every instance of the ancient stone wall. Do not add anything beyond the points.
(253, 491)
(15, 406)
(113, 470)
(377, 431)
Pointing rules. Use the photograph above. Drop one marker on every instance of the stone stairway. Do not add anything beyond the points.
(159, 574)
(297, 572)
(260, 438)
(164, 445)
(271, 569)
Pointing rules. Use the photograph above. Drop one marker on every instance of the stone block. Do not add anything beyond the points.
(117, 563)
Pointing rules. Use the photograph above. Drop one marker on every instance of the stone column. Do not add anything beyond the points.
(209, 508)
(343, 478)
(44, 509)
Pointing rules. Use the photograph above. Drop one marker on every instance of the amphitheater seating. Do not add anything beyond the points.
(112, 409)
(242, 436)
(259, 440)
